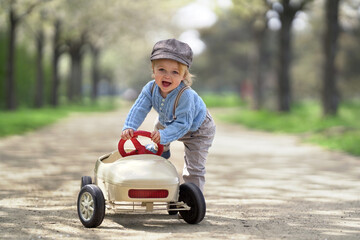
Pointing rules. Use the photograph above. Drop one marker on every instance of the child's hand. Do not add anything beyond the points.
(127, 134)
(155, 136)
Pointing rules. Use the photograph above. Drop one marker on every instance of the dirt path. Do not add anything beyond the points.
(259, 186)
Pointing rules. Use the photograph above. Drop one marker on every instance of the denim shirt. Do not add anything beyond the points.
(190, 112)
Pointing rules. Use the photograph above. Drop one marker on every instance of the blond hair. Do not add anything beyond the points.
(183, 69)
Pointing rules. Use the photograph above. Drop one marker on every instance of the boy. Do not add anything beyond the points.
(183, 115)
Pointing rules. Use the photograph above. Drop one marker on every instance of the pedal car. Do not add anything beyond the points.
(137, 180)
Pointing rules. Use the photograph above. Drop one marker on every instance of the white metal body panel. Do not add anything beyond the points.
(115, 175)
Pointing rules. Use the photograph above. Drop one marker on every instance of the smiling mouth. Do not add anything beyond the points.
(165, 83)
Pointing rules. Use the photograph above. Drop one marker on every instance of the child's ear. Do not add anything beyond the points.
(153, 67)
(153, 71)
(184, 75)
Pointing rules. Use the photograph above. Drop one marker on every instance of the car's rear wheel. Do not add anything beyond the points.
(85, 180)
(193, 197)
(91, 206)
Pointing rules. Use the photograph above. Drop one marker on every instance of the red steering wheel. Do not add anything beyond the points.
(139, 148)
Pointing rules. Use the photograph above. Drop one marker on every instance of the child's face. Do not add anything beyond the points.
(167, 75)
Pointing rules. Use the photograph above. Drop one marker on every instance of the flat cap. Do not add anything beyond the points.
(172, 49)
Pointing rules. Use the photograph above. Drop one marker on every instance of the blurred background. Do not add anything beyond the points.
(264, 54)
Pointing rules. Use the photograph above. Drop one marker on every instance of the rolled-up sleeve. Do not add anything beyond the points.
(140, 109)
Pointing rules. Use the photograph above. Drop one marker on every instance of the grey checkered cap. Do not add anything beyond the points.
(172, 49)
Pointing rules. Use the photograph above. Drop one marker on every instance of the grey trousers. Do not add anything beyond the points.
(197, 146)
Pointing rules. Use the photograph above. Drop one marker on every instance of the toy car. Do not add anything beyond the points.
(137, 180)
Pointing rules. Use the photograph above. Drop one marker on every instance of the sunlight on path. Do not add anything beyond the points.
(271, 182)
(259, 186)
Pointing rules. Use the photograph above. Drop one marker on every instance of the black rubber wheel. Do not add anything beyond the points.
(91, 206)
(193, 197)
(172, 212)
(85, 180)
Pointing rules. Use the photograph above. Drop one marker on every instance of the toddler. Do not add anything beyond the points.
(182, 113)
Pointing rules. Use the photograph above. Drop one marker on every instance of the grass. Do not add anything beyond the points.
(24, 120)
(348, 142)
(223, 100)
(341, 132)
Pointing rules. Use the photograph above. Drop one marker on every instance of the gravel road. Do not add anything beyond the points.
(259, 186)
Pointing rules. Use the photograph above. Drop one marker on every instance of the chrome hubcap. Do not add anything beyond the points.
(86, 206)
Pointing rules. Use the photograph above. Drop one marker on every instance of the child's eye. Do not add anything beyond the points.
(175, 72)
(161, 69)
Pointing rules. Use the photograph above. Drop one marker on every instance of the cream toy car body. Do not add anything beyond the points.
(137, 181)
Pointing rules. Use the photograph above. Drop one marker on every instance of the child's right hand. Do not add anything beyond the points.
(127, 134)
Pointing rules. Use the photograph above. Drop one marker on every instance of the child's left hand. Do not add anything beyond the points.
(155, 136)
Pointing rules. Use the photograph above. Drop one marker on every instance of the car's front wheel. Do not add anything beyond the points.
(91, 206)
(193, 197)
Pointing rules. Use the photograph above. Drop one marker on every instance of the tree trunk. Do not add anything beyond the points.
(10, 84)
(284, 81)
(39, 91)
(259, 65)
(95, 73)
(10, 81)
(75, 80)
(287, 15)
(330, 96)
(71, 82)
(54, 98)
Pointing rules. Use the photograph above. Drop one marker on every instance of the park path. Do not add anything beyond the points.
(259, 186)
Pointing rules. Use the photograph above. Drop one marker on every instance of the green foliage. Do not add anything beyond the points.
(349, 58)
(341, 132)
(25, 74)
(223, 100)
(346, 141)
(25, 120)
(224, 63)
